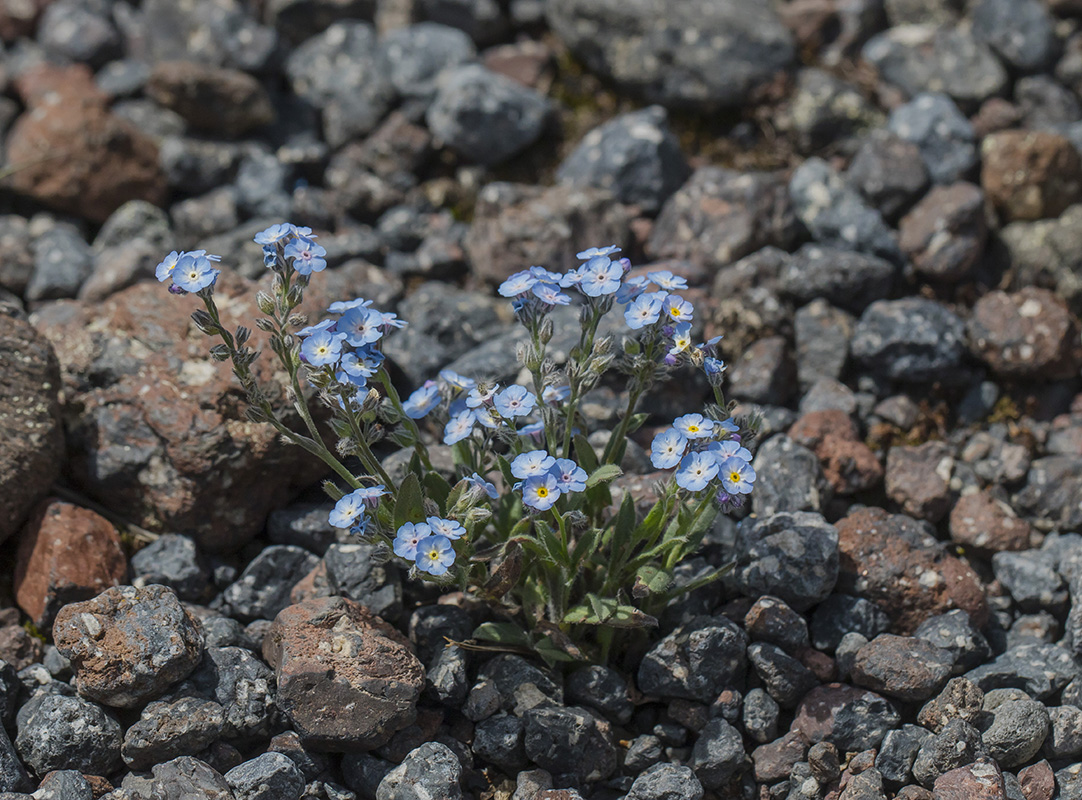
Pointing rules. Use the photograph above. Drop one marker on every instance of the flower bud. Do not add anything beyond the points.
(545, 331)
(265, 303)
(265, 325)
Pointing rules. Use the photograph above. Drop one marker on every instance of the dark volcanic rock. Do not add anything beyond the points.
(903, 667)
(912, 340)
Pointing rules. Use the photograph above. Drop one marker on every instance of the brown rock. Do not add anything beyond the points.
(346, 679)
(1026, 334)
(848, 464)
(516, 224)
(33, 437)
(902, 667)
(77, 157)
(19, 18)
(994, 115)
(987, 525)
(960, 699)
(944, 233)
(19, 648)
(128, 645)
(314, 584)
(914, 793)
(1037, 781)
(1030, 174)
(981, 780)
(815, 426)
(828, 713)
(528, 62)
(918, 479)
(774, 761)
(211, 99)
(66, 554)
(42, 84)
(891, 560)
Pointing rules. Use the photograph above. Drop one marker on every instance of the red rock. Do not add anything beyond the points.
(211, 99)
(981, 780)
(848, 464)
(890, 560)
(774, 761)
(19, 18)
(1027, 334)
(1030, 174)
(815, 426)
(987, 525)
(42, 84)
(918, 479)
(19, 648)
(346, 679)
(944, 234)
(312, 585)
(66, 554)
(994, 115)
(1037, 781)
(77, 157)
(829, 712)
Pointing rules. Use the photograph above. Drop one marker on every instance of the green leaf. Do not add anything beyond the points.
(603, 474)
(505, 470)
(437, 488)
(332, 491)
(409, 505)
(584, 548)
(585, 454)
(502, 633)
(551, 541)
(650, 580)
(636, 422)
(608, 612)
(550, 653)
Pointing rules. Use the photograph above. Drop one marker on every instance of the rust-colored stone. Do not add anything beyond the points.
(1026, 334)
(848, 464)
(212, 99)
(918, 479)
(987, 525)
(66, 554)
(1030, 174)
(1037, 781)
(891, 560)
(19, 648)
(19, 18)
(981, 780)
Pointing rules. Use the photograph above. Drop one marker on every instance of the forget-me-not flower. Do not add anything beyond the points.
(408, 537)
(422, 401)
(555, 394)
(456, 381)
(481, 394)
(459, 426)
(540, 492)
(677, 309)
(729, 449)
(361, 326)
(275, 233)
(477, 482)
(519, 283)
(644, 310)
(532, 464)
(164, 270)
(550, 295)
(325, 325)
(307, 256)
(668, 448)
(593, 252)
(667, 281)
(341, 306)
(694, 426)
(696, 471)
(346, 511)
(570, 477)
(737, 475)
(194, 271)
(515, 401)
(446, 527)
(600, 276)
(322, 348)
(435, 555)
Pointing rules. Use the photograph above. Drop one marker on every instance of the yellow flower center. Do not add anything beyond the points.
(674, 311)
(542, 491)
(433, 554)
(693, 428)
(734, 477)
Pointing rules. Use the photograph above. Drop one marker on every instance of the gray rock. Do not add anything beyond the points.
(431, 626)
(942, 134)
(303, 525)
(958, 744)
(784, 677)
(1064, 738)
(571, 741)
(904, 667)
(921, 58)
(1018, 730)
(1053, 491)
(898, 751)
(354, 572)
(196, 166)
(210, 214)
(763, 373)
(836, 214)
(261, 184)
(701, 55)
(913, 340)
(188, 777)
(447, 676)
(222, 33)
(485, 117)
(955, 632)
(696, 661)
(635, 156)
(789, 478)
(263, 588)
(822, 335)
(483, 20)
(1039, 670)
(666, 782)
(271, 776)
(508, 673)
(643, 752)
(62, 732)
(944, 233)
(851, 719)
(1020, 31)
(167, 729)
(760, 716)
(173, 561)
(848, 279)
(718, 755)
(18, 262)
(1031, 579)
(790, 555)
(63, 261)
(13, 777)
(771, 619)
(601, 688)
(499, 740)
(64, 784)
(75, 31)
(244, 687)
(825, 109)
(413, 57)
(363, 772)
(889, 171)
(1047, 104)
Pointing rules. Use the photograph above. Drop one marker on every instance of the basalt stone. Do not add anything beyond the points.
(432, 770)
(785, 679)
(601, 688)
(484, 20)
(354, 572)
(168, 729)
(763, 373)
(845, 278)
(944, 233)
(912, 340)
(836, 214)
(1018, 729)
(790, 478)
(211, 99)
(219, 32)
(1022, 33)
(986, 524)
(1027, 334)
(1040, 670)
(981, 780)
(63, 261)
(62, 732)
(1030, 175)
(666, 782)
(791, 555)
(498, 740)
(771, 619)
(263, 588)
(956, 745)
(1053, 491)
(1064, 738)
(695, 662)
(484, 117)
(898, 751)
(173, 561)
(840, 614)
(13, 777)
(186, 777)
(570, 740)
(955, 633)
(825, 108)
(699, 55)
(1031, 579)
(302, 525)
(718, 755)
(244, 687)
(852, 719)
(447, 676)
(508, 673)
(271, 776)
(918, 479)
(128, 645)
(904, 667)
(889, 171)
(414, 57)
(760, 718)
(942, 134)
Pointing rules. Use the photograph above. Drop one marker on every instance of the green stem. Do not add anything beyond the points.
(396, 402)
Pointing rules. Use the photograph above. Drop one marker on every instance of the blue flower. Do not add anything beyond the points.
(446, 527)
(667, 281)
(533, 430)
(645, 310)
(361, 326)
(488, 417)
(728, 449)
(481, 394)
(422, 401)
(555, 394)
(164, 270)
(408, 537)
(540, 492)
(478, 482)
(193, 271)
(572, 277)
(550, 295)
(519, 283)
(515, 401)
(696, 471)
(307, 256)
(713, 366)
(667, 448)
(326, 325)
(681, 338)
(322, 348)
(677, 309)
(346, 511)
(597, 251)
(546, 276)
(694, 426)
(570, 477)
(630, 289)
(275, 234)
(459, 426)
(370, 495)
(737, 475)
(532, 464)
(362, 363)
(456, 381)
(342, 306)
(435, 555)
(391, 320)
(729, 425)
(600, 276)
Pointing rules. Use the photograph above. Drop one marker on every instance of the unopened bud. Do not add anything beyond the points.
(265, 303)
(544, 333)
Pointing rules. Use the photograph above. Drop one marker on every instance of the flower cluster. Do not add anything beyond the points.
(428, 544)
(190, 271)
(703, 449)
(543, 479)
(349, 512)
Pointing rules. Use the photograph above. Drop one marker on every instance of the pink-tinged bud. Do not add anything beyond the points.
(625, 263)
(174, 289)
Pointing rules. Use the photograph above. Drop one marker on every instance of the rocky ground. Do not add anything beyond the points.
(877, 202)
